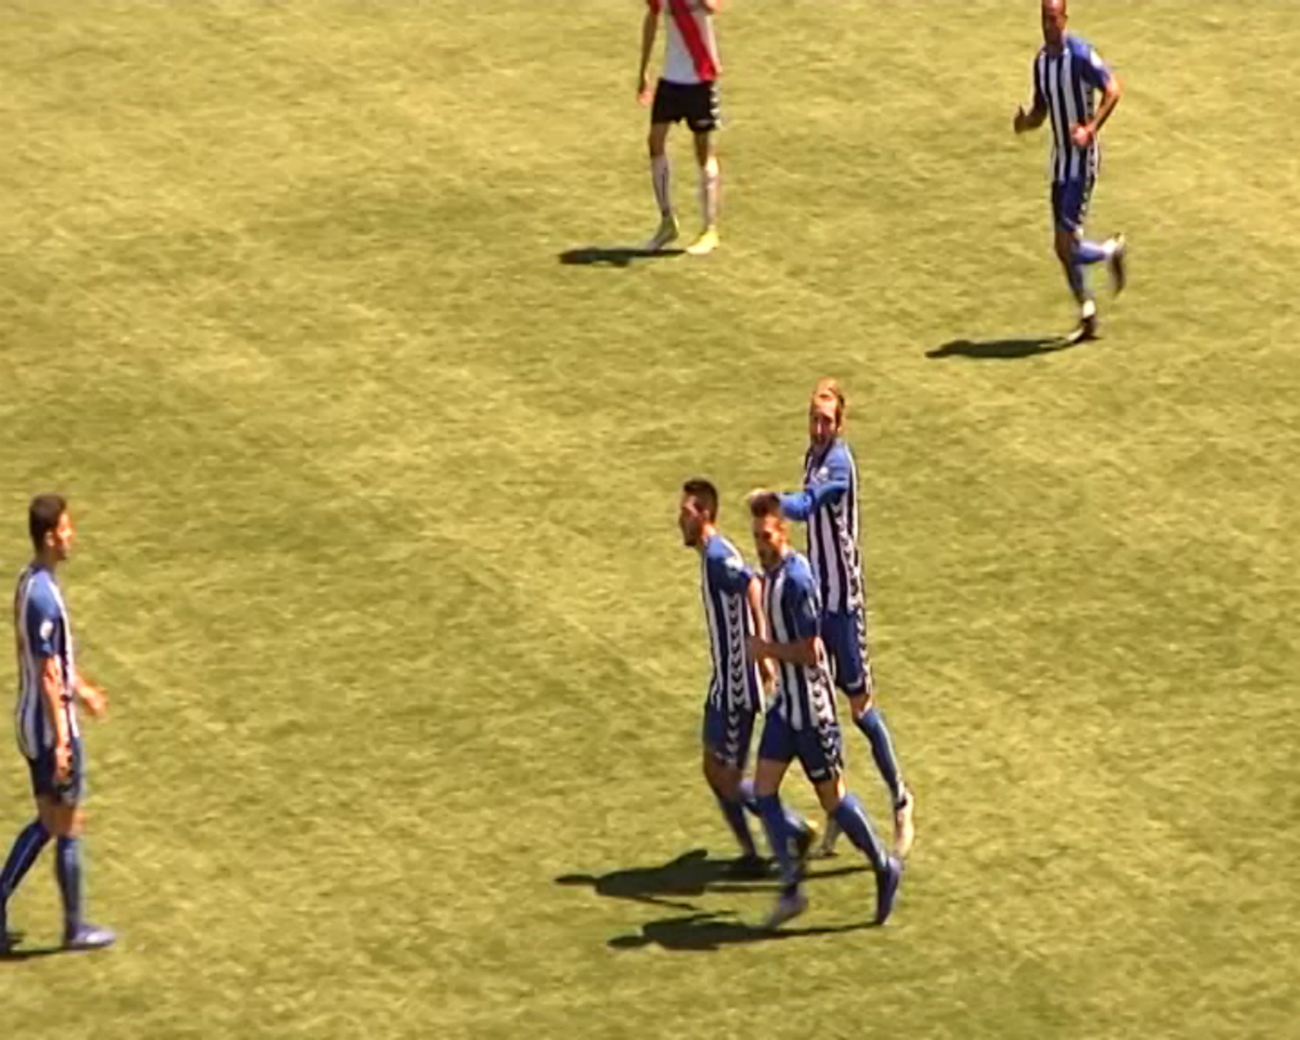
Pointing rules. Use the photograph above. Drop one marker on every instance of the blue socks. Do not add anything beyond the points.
(68, 869)
(853, 821)
(21, 857)
(778, 837)
(734, 814)
(872, 724)
(793, 819)
(1082, 254)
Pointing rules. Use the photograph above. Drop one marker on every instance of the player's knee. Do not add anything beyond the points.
(860, 704)
(830, 793)
(1064, 246)
(62, 821)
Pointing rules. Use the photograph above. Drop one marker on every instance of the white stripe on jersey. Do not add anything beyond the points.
(1070, 102)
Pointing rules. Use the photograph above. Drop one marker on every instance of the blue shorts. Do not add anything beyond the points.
(818, 746)
(1070, 204)
(43, 783)
(728, 733)
(845, 636)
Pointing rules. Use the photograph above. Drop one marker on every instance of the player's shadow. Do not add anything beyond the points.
(1002, 349)
(671, 884)
(707, 933)
(614, 256)
(15, 954)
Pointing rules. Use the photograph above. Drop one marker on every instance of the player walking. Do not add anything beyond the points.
(801, 722)
(828, 504)
(732, 596)
(1067, 75)
(48, 734)
(688, 90)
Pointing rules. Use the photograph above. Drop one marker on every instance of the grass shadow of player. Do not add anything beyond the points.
(1003, 349)
(692, 873)
(13, 953)
(614, 256)
(708, 933)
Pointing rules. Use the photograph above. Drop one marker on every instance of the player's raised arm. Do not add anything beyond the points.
(649, 29)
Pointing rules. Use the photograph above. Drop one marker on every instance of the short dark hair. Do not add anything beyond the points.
(43, 517)
(704, 494)
(763, 504)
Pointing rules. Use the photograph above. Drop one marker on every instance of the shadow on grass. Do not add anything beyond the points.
(617, 256)
(15, 954)
(690, 874)
(707, 933)
(1004, 349)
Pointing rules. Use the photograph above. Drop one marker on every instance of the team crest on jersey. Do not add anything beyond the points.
(47, 629)
(735, 565)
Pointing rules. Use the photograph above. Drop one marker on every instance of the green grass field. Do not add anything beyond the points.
(376, 503)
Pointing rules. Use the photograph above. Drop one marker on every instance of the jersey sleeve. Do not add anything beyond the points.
(802, 603)
(1094, 71)
(42, 623)
(800, 505)
(730, 573)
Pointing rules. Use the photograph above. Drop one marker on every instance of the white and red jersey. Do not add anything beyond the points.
(691, 49)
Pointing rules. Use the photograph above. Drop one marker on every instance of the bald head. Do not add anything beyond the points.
(1055, 16)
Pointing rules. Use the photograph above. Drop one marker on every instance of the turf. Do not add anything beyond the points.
(376, 501)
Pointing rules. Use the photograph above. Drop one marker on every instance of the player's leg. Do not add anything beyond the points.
(776, 750)
(726, 738)
(663, 113)
(820, 750)
(62, 816)
(26, 849)
(703, 120)
(846, 643)
(1076, 253)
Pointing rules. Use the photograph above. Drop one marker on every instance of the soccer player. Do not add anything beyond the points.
(1067, 75)
(48, 734)
(801, 722)
(686, 91)
(828, 504)
(732, 596)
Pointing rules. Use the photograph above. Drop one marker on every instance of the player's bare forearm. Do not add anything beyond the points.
(1110, 98)
(91, 696)
(1032, 119)
(712, 6)
(754, 593)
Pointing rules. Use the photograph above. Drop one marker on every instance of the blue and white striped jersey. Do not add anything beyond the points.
(1066, 84)
(724, 584)
(804, 695)
(829, 506)
(41, 631)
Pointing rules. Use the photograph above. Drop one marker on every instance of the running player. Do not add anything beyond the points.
(732, 596)
(801, 722)
(828, 504)
(1067, 74)
(48, 734)
(688, 90)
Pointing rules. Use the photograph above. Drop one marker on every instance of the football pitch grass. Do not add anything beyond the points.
(376, 501)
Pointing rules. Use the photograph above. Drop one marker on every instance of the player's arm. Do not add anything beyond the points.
(649, 29)
(1037, 113)
(1099, 77)
(800, 505)
(712, 6)
(754, 593)
(95, 700)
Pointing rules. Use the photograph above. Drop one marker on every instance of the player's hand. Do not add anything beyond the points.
(758, 649)
(62, 763)
(95, 700)
(1021, 122)
(644, 95)
(1082, 135)
(767, 672)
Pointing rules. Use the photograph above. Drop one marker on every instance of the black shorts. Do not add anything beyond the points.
(697, 103)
